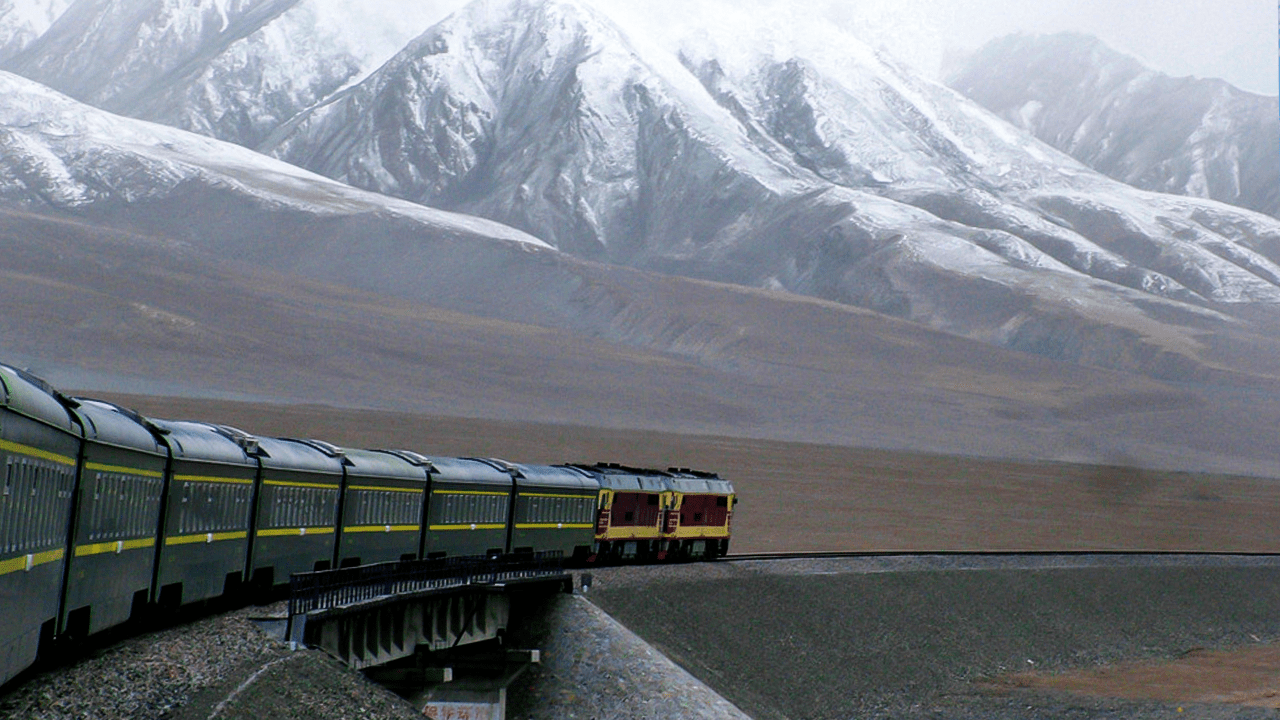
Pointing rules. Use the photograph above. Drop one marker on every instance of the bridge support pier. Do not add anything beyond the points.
(469, 683)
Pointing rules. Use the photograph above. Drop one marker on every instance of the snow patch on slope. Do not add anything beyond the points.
(72, 155)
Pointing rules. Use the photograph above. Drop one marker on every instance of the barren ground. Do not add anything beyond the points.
(797, 496)
(1247, 676)
(965, 637)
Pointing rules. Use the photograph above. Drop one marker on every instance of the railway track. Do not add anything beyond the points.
(1013, 560)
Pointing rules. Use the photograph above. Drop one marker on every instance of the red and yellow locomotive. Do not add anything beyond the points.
(654, 515)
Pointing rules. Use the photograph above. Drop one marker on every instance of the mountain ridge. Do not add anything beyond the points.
(1189, 136)
(898, 257)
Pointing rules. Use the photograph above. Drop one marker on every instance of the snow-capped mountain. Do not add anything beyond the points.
(59, 156)
(231, 69)
(871, 186)
(23, 21)
(859, 182)
(115, 53)
(1189, 136)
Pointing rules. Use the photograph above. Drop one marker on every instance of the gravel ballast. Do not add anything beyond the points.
(215, 668)
(914, 637)
(594, 667)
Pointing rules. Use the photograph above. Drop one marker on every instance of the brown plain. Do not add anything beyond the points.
(797, 496)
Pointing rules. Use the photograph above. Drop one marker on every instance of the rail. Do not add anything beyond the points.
(327, 589)
(1088, 553)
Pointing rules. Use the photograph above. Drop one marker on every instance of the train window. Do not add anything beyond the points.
(14, 515)
(7, 502)
(722, 501)
(33, 508)
(291, 507)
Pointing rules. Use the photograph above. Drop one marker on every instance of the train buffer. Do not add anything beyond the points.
(428, 629)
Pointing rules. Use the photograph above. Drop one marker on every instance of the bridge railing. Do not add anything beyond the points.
(327, 589)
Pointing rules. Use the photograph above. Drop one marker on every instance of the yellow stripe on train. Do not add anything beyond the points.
(114, 546)
(298, 531)
(205, 538)
(123, 470)
(212, 479)
(10, 446)
(283, 483)
(554, 526)
(381, 528)
(27, 562)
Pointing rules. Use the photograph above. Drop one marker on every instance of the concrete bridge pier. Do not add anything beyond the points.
(466, 684)
(440, 647)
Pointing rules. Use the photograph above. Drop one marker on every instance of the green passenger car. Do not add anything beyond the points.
(555, 510)
(38, 448)
(468, 508)
(297, 516)
(205, 532)
(381, 508)
(113, 548)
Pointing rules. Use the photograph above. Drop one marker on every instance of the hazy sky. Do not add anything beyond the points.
(1231, 39)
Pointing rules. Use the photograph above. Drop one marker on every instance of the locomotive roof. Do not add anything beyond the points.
(556, 476)
(377, 463)
(202, 441)
(290, 454)
(28, 395)
(470, 470)
(111, 424)
(692, 481)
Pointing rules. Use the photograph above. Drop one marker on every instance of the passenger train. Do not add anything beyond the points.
(106, 513)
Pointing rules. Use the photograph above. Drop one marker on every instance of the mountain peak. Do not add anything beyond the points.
(1187, 136)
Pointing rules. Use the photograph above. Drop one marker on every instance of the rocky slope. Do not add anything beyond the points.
(1188, 136)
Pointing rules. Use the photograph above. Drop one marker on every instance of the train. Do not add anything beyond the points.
(106, 514)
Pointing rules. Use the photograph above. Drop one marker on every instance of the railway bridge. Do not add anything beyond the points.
(431, 629)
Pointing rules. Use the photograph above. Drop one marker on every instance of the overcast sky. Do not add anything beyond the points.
(1231, 39)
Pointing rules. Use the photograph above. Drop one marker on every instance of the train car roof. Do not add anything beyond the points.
(618, 477)
(692, 481)
(111, 424)
(291, 454)
(202, 441)
(470, 470)
(28, 395)
(557, 476)
(382, 464)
